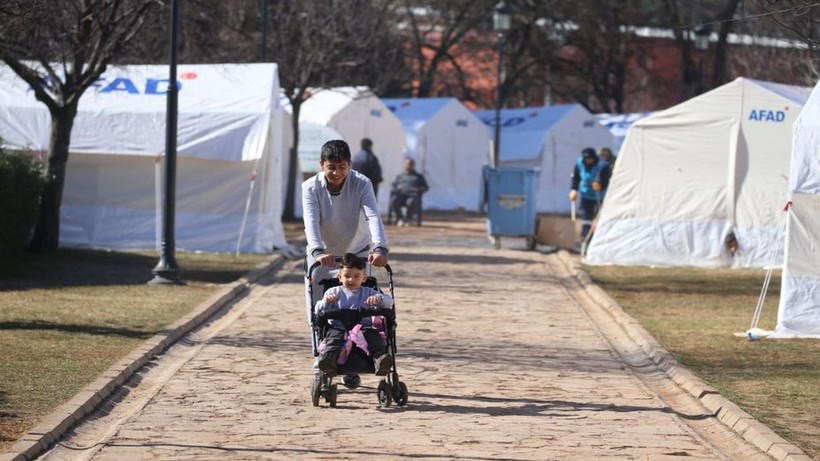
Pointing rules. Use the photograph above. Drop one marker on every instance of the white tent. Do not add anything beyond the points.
(229, 169)
(799, 311)
(450, 146)
(691, 176)
(351, 114)
(550, 138)
(618, 124)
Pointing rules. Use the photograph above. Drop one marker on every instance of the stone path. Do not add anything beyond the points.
(502, 358)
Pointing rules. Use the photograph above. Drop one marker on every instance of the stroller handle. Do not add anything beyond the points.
(355, 315)
(338, 260)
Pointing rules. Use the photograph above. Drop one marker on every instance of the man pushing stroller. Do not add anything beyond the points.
(341, 216)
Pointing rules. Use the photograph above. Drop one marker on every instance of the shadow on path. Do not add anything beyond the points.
(531, 407)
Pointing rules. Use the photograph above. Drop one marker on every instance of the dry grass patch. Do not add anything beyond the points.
(67, 317)
(694, 313)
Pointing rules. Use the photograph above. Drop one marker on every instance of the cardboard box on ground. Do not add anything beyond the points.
(556, 230)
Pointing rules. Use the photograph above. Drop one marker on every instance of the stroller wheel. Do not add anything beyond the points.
(400, 394)
(316, 389)
(332, 394)
(384, 394)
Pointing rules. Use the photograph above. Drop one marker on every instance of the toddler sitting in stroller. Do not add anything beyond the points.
(339, 338)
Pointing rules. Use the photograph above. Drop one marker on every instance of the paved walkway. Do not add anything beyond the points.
(502, 358)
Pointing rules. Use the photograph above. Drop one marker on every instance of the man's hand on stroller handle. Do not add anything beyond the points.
(375, 259)
(326, 259)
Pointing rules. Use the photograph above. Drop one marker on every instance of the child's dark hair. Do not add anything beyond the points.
(335, 151)
(351, 261)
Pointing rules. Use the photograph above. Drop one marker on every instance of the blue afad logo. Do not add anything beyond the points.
(506, 123)
(126, 85)
(763, 115)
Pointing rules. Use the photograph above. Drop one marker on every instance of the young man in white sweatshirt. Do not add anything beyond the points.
(340, 216)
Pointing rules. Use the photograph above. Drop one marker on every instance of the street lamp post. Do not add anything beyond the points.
(263, 41)
(702, 34)
(166, 271)
(502, 21)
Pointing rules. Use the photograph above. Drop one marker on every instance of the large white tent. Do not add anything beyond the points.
(450, 146)
(549, 138)
(690, 177)
(351, 113)
(230, 164)
(799, 311)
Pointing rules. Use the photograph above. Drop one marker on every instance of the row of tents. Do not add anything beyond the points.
(234, 135)
(688, 179)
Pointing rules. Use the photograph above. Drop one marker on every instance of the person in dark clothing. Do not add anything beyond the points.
(605, 154)
(590, 178)
(366, 163)
(407, 190)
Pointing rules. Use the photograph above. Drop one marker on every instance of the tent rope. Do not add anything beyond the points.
(763, 291)
(767, 280)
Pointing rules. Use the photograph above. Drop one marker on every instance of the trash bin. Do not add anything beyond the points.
(509, 194)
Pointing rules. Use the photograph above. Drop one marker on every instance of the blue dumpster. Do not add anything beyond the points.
(510, 197)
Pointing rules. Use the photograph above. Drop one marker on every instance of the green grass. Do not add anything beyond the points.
(694, 313)
(65, 318)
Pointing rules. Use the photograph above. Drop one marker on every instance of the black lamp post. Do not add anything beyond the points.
(166, 271)
(702, 34)
(263, 41)
(502, 21)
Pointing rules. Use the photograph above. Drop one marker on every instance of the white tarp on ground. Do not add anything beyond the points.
(229, 132)
(799, 311)
(450, 146)
(351, 114)
(690, 176)
(550, 138)
(618, 124)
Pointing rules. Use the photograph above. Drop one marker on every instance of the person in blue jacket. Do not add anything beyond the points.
(590, 179)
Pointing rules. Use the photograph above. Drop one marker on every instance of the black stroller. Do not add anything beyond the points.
(358, 362)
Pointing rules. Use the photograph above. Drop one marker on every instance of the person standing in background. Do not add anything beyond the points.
(590, 178)
(605, 154)
(366, 163)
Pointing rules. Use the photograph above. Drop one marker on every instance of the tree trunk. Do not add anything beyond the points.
(46, 238)
(289, 213)
(720, 71)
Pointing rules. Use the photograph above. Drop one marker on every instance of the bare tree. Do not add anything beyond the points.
(62, 50)
(798, 20)
(437, 32)
(15, 16)
(317, 44)
(210, 32)
(590, 51)
(684, 19)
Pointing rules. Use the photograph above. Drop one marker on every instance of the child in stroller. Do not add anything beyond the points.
(354, 331)
(341, 335)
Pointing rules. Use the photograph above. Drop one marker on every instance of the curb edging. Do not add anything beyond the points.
(753, 431)
(50, 429)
